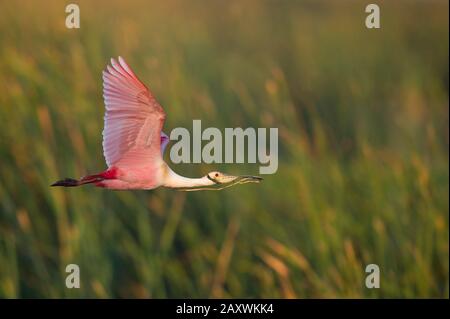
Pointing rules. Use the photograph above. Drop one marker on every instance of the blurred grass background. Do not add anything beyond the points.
(363, 171)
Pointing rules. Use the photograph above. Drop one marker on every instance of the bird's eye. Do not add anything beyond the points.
(217, 175)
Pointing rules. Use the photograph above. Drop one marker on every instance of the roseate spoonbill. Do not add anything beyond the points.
(134, 143)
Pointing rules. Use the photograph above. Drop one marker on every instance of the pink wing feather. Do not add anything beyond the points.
(132, 134)
(164, 141)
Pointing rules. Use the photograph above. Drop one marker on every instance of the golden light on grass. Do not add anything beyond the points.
(363, 150)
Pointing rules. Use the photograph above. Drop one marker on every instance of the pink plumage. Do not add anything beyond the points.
(133, 141)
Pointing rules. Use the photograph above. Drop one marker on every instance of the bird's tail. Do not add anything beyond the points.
(71, 182)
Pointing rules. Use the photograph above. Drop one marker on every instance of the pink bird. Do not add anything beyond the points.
(134, 143)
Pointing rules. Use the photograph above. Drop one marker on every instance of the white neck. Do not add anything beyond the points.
(173, 180)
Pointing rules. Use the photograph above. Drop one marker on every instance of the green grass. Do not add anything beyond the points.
(363, 163)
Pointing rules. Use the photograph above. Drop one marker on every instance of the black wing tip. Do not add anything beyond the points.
(67, 182)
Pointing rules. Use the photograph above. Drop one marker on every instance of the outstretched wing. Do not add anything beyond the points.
(133, 118)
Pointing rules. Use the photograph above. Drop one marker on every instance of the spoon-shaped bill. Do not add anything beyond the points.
(248, 179)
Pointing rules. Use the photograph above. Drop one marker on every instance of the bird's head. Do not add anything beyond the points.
(222, 178)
